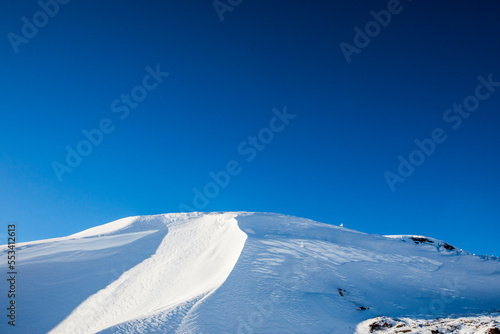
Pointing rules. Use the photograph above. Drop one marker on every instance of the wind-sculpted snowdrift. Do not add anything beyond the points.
(239, 272)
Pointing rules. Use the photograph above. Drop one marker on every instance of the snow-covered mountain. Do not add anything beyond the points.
(239, 272)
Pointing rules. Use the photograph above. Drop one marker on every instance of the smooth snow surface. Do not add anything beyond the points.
(239, 272)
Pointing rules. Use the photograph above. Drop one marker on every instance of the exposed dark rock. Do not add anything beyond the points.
(419, 240)
(448, 246)
(376, 326)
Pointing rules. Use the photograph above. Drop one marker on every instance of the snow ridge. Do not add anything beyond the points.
(240, 272)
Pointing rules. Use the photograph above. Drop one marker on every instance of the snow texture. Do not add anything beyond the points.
(462, 325)
(240, 272)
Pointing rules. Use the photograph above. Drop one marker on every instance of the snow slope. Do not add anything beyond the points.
(239, 272)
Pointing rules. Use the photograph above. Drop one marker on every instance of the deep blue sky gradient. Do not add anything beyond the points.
(353, 120)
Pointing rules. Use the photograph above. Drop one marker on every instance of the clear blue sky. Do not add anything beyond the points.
(353, 120)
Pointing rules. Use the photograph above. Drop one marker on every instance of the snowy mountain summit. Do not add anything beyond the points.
(239, 272)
